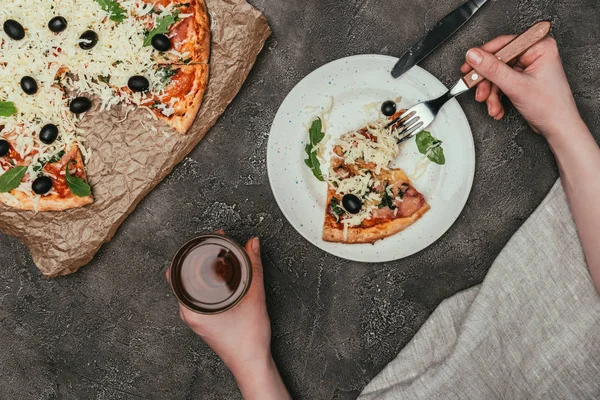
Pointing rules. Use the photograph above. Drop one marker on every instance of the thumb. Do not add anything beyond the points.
(253, 250)
(494, 70)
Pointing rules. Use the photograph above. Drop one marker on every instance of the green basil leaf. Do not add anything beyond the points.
(11, 179)
(315, 132)
(162, 26)
(113, 8)
(437, 156)
(77, 185)
(431, 147)
(315, 136)
(424, 141)
(7, 108)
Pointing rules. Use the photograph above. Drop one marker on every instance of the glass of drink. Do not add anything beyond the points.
(210, 274)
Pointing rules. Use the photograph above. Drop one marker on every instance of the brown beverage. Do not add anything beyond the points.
(211, 274)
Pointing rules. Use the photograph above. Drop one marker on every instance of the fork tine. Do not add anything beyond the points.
(411, 132)
(410, 123)
(407, 113)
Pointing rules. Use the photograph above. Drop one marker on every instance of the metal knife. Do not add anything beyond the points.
(436, 36)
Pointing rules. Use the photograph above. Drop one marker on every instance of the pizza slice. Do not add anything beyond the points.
(364, 206)
(179, 30)
(180, 100)
(44, 183)
(367, 200)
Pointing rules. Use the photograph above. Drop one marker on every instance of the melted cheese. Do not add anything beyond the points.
(380, 150)
(56, 61)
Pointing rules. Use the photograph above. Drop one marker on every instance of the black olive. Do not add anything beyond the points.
(161, 42)
(29, 85)
(88, 40)
(388, 108)
(138, 83)
(80, 105)
(14, 30)
(49, 133)
(42, 185)
(57, 24)
(4, 148)
(351, 203)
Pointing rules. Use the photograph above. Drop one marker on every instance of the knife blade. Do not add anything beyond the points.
(436, 36)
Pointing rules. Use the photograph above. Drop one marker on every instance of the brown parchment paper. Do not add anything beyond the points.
(129, 158)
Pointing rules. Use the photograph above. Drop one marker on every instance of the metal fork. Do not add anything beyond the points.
(419, 117)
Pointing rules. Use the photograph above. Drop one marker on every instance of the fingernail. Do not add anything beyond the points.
(474, 57)
(256, 244)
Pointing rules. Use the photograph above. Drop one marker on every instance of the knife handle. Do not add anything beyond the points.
(514, 49)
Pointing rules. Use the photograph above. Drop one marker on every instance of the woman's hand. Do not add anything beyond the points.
(241, 337)
(536, 84)
(538, 88)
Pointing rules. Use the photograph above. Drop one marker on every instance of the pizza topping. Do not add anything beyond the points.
(49, 133)
(14, 30)
(80, 105)
(138, 83)
(352, 203)
(29, 85)
(161, 42)
(57, 24)
(88, 40)
(77, 185)
(412, 202)
(388, 108)
(387, 198)
(335, 209)
(113, 9)
(374, 145)
(4, 148)
(7, 109)
(41, 185)
(161, 27)
(12, 178)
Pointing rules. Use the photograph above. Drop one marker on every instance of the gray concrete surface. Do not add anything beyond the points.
(111, 331)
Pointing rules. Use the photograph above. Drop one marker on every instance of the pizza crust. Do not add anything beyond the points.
(201, 43)
(21, 201)
(187, 109)
(374, 233)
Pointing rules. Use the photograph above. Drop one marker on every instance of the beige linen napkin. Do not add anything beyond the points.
(530, 331)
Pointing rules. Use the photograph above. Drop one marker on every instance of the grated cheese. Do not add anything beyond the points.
(63, 70)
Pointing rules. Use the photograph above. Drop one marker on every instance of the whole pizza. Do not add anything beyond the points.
(61, 58)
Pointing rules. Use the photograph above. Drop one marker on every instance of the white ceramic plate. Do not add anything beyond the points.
(353, 83)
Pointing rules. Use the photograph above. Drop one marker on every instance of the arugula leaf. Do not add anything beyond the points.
(7, 108)
(431, 147)
(162, 26)
(167, 73)
(335, 207)
(437, 155)
(113, 8)
(11, 179)
(315, 135)
(77, 185)
(56, 157)
(43, 161)
(386, 199)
